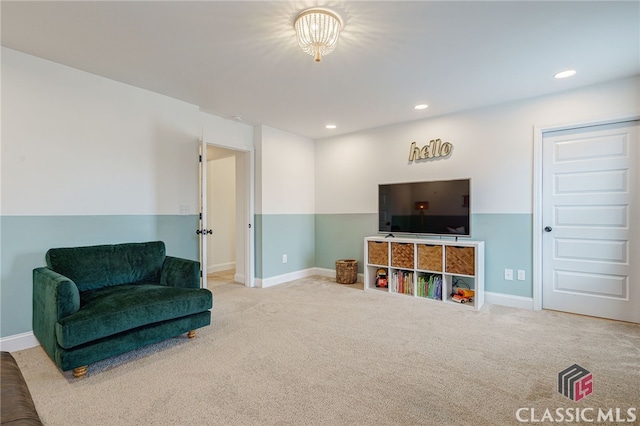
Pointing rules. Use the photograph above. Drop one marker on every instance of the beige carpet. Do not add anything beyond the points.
(313, 352)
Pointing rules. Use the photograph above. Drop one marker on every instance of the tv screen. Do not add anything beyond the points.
(431, 208)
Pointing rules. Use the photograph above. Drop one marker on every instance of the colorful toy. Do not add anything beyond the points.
(463, 295)
(381, 278)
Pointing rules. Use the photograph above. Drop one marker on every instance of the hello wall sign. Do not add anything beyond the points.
(434, 149)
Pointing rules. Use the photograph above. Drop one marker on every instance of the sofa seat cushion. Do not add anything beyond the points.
(112, 310)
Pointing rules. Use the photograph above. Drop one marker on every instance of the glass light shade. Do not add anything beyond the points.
(317, 31)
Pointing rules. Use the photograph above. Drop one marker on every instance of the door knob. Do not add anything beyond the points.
(204, 231)
(548, 229)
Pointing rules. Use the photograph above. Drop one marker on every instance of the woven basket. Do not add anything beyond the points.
(346, 271)
(402, 255)
(378, 253)
(430, 257)
(460, 260)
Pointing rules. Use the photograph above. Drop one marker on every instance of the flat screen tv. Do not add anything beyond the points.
(425, 208)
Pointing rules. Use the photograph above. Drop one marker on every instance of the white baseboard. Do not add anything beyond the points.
(508, 300)
(489, 297)
(18, 342)
(212, 269)
(280, 279)
(284, 278)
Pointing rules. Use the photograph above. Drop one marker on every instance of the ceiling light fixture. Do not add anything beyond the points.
(421, 106)
(565, 74)
(330, 126)
(317, 31)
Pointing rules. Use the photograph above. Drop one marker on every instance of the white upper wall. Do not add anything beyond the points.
(226, 133)
(75, 143)
(285, 173)
(493, 146)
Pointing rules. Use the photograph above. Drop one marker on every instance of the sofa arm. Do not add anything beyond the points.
(177, 272)
(54, 297)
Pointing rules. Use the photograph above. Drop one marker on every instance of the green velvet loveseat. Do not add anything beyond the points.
(92, 303)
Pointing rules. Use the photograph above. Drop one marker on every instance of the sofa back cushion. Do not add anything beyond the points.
(95, 267)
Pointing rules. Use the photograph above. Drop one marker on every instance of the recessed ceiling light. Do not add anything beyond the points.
(565, 74)
(330, 126)
(421, 106)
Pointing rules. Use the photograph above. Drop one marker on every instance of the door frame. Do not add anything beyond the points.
(538, 135)
(249, 234)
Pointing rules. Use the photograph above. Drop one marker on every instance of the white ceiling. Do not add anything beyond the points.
(241, 58)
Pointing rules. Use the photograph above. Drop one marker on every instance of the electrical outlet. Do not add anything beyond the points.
(183, 209)
(521, 275)
(508, 274)
(284, 258)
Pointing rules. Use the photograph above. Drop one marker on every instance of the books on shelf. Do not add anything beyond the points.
(430, 286)
(402, 282)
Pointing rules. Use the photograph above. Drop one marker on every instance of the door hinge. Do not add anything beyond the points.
(200, 216)
(200, 158)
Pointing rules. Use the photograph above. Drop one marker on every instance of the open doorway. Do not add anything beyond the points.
(227, 207)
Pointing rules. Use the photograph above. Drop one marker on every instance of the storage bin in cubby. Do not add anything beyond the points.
(430, 257)
(460, 260)
(378, 252)
(402, 255)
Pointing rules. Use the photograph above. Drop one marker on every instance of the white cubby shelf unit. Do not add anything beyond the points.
(418, 267)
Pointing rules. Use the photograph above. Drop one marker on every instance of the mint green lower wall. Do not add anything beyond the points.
(341, 236)
(507, 237)
(25, 240)
(280, 234)
(508, 245)
(308, 241)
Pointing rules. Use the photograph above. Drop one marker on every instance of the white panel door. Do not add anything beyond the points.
(590, 217)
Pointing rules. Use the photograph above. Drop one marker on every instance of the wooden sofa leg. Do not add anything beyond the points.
(191, 334)
(79, 372)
